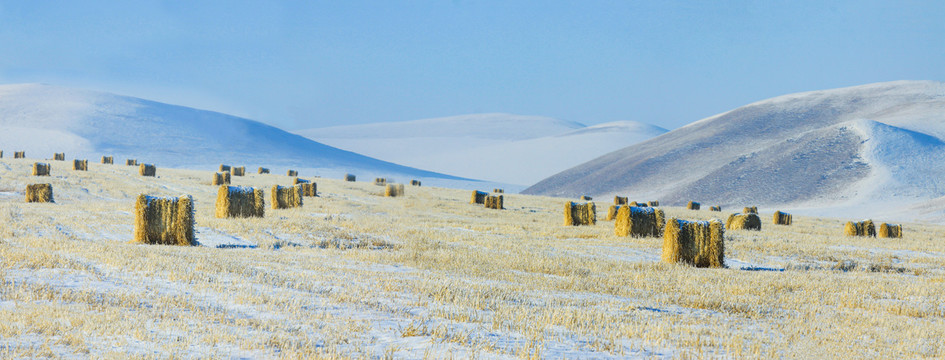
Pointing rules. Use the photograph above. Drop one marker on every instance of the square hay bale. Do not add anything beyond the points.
(749, 221)
(692, 205)
(715, 208)
(284, 197)
(494, 202)
(226, 168)
(80, 165)
(394, 190)
(862, 228)
(890, 230)
(380, 181)
(586, 198)
(781, 218)
(576, 214)
(1, 154)
(59, 156)
(415, 182)
(612, 211)
(478, 197)
(750, 210)
(239, 171)
(147, 170)
(239, 202)
(498, 191)
(620, 200)
(108, 160)
(19, 154)
(263, 170)
(221, 178)
(637, 204)
(292, 173)
(39, 193)
(41, 169)
(308, 189)
(350, 178)
(164, 220)
(653, 203)
(638, 221)
(698, 243)
(131, 162)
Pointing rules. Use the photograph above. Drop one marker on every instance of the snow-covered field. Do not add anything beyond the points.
(355, 274)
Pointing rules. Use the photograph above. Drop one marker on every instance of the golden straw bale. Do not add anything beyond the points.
(749, 221)
(80, 165)
(478, 197)
(750, 210)
(781, 218)
(263, 170)
(131, 162)
(715, 208)
(415, 182)
(692, 205)
(292, 173)
(890, 230)
(147, 170)
(164, 220)
(239, 171)
(637, 204)
(699, 243)
(59, 156)
(499, 191)
(39, 193)
(394, 190)
(494, 202)
(862, 228)
(586, 198)
(638, 221)
(226, 168)
(620, 200)
(612, 211)
(239, 201)
(380, 181)
(108, 160)
(653, 203)
(350, 178)
(579, 214)
(308, 188)
(19, 154)
(221, 178)
(284, 197)
(41, 169)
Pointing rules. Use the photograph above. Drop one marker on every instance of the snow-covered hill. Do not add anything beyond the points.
(43, 119)
(499, 147)
(866, 151)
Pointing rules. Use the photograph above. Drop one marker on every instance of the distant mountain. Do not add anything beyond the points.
(871, 150)
(42, 119)
(506, 148)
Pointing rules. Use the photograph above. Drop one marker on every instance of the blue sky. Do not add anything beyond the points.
(317, 63)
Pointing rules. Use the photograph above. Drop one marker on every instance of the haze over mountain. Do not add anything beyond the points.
(507, 148)
(872, 150)
(43, 119)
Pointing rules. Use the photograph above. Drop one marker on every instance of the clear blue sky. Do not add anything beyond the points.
(321, 63)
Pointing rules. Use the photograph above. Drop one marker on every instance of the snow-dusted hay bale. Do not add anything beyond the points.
(478, 197)
(292, 173)
(890, 230)
(80, 165)
(498, 191)
(750, 210)
(41, 169)
(415, 182)
(586, 198)
(638, 221)
(239, 202)
(284, 197)
(749, 221)
(637, 203)
(620, 200)
(309, 188)
(19, 154)
(350, 178)
(715, 208)
(263, 170)
(699, 243)
(221, 178)
(108, 160)
(39, 193)
(653, 203)
(494, 202)
(394, 190)
(147, 170)
(781, 218)
(224, 167)
(164, 220)
(380, 181)
(239, 171)
(612, 211)
(131, 162)
(59, 156)
(692, 205)
(862, 228)
(576, 214)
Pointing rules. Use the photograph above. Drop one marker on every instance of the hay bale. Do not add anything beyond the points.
(394, 190)
(350, 178)
(239, 171)
(415, 182)
(239, 202)
(498, 191)
(586, 198)
(164, 220)
(890, 230)
(620, 200)
(380, 181)
(737, 221)
(292, 173)
(39, 193)
(653, 203)
(612, 211)
(221, 178)
(692, 205)
(263, 170)
(224, 168)
(781, 218)
(108, 160)
(637, 204)
(131, 162)
(308, 188)
(80, 165)
(284, 197)
(1, 154)
(698, 243)
(41, 169)
(494, 202)
(478, 197)
(638, 221)
(147, 170)
(862, 228)
(19, 154)
(750, 210)
(579, 214)
(715, 208)
(59, 156)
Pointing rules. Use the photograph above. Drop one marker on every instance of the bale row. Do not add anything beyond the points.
(59, 156)
(41, 169)
(620, 200)
(576, 214)
(494, 202)
(890, 230)
(263, 170)
(147, 170)
(80, 165)
(350, 178)
(380, 181)
(638, 221)
(19, 154)
(221, 178)
(39, 193)
(284, 197)
(165, 221)
(498, 191)
(699, 243)
(737, 221)
(108, 160)
(692, 205)
(862, 228)
(239, 201)
(394, 190)
(781, 218)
